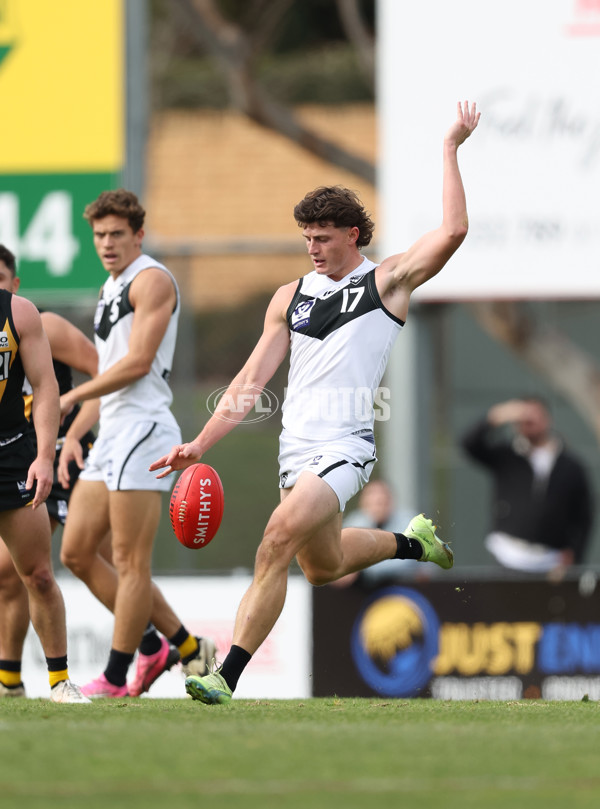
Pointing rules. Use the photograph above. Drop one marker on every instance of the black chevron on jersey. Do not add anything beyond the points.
(319, 317)
(110, 312)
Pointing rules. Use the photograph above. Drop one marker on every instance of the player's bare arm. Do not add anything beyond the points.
(71, 448)
(153, 297)
(69, 344)
(34, 350)
(397, 276)
(240, 396)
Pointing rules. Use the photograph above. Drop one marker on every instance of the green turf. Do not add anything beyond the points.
(313, 753)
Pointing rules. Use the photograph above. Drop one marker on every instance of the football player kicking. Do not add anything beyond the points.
(340, 321)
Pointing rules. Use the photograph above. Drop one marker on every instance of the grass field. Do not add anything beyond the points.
(314, 753)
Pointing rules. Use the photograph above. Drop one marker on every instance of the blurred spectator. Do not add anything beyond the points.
(376, 509)
(542, 509)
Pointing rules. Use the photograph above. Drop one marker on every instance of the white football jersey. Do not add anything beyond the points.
(341, 337)
(149, 398)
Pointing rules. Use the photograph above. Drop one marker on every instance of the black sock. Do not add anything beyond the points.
(11, 665)
(151, 642)
(233, 665)
(10, 673)
(407, 548)
(179, 637)
(187, 645)
(57, 670)
(118, 664)
(56, 663)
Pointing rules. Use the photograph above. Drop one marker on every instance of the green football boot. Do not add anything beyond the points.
(434, 550)
(210, 689)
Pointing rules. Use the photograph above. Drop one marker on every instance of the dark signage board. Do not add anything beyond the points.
(459, 640)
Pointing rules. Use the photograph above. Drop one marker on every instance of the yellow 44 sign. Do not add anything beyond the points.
(62, 82)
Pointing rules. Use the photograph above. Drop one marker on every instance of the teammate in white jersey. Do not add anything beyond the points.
(135, 330)
(340, 322)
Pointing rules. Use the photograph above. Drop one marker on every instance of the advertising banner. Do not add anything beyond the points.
(477, 640)
(62, 80)
(531, 169)
(207, 606)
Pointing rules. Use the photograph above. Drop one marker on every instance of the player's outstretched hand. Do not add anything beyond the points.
(466, 122)
(180, 457)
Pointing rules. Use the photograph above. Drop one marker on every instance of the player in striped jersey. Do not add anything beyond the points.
(27, 451)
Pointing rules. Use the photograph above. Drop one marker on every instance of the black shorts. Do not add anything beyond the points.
(16, 456)
(58, 499)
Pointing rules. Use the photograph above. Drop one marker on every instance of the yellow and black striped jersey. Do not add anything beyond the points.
(12, 374)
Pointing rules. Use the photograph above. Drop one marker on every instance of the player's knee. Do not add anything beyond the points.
(40, 581)
(277, 545)
(318, 579)
(130, 561)
(316, 576)
(272, 553)
(74, 561)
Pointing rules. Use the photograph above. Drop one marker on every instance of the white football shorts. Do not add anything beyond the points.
(344, 463)
(122, 459)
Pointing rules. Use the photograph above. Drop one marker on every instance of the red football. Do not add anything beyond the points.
(196, 506)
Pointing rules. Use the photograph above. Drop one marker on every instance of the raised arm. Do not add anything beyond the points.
(397, 276)
(241, 395)
(34, 350)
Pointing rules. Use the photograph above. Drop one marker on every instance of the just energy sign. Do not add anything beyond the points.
(449, 640)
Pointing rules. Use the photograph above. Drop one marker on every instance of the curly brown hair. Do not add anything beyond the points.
(117, 203)
(337, 206)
